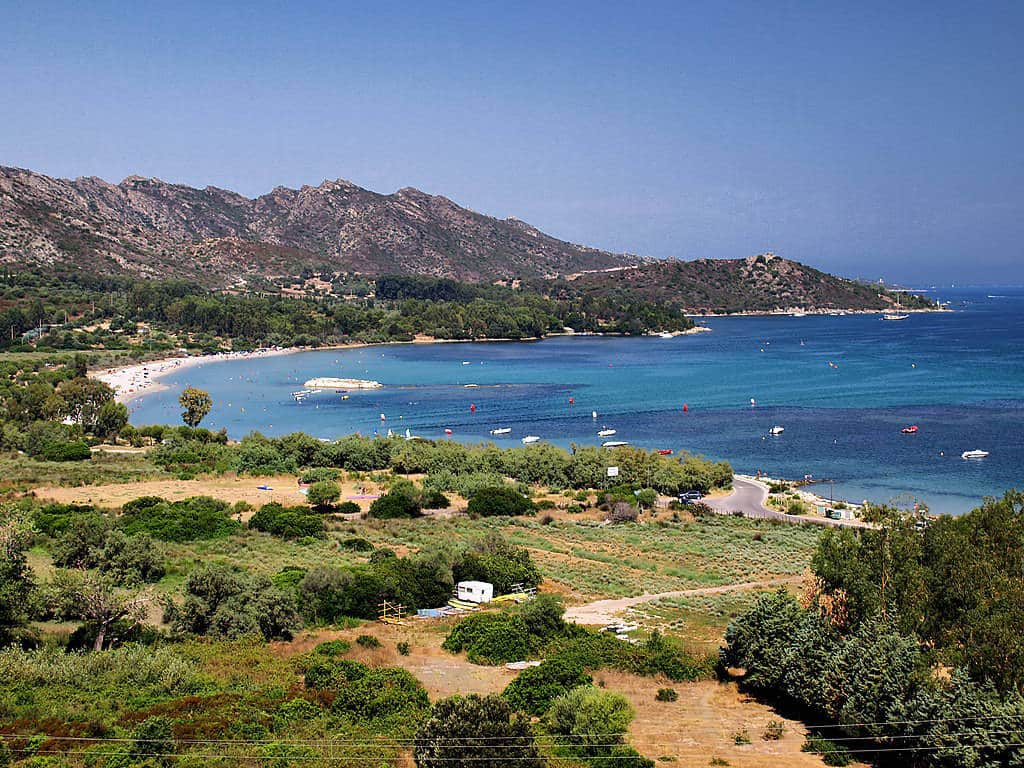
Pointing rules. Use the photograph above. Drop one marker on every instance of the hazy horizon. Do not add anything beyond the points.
(870, 141)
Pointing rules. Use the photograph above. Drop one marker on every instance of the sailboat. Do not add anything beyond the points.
(895, 315)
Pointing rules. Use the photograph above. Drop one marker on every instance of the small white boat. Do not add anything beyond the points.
(470, 386)
(606, 433)
(776, 430)
(466, 362)
(666, 335)
(501, 431)
(975, 454)
(613, 443)
(530, 439)
(891, 316)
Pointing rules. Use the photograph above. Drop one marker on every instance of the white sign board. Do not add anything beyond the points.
(613, 471)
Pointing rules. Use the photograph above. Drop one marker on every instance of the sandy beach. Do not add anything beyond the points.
(133, 381)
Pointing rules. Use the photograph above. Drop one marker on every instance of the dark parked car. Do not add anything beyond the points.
(690, 497)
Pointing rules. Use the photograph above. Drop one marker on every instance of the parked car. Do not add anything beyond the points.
(690, 497)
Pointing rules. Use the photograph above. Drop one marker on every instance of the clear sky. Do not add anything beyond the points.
(873, 139)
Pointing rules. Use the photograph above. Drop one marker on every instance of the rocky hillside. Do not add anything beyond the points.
(151, 228)
(762, 283)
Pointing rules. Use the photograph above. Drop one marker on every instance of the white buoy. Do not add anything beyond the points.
(753, 402)
(593, 414)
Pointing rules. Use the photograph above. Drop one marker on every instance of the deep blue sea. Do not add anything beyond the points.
(958, 375)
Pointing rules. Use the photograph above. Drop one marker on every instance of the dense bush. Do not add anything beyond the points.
(77, 450)
(659, 655)
(500, 501)
(380, 692)
(490, 638)
(318, 475)
(395, 504)
(287, 522)
(199, 517)
(90, 541)
(224, 603)
(466, 732)
(536, 687)
(593, 724)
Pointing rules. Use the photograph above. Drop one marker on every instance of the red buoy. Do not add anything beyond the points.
(472, 407)
(571, 401)
(686, 408)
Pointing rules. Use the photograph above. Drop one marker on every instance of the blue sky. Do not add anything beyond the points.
(869, 139)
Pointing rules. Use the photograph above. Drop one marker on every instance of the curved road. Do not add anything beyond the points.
(748, 497)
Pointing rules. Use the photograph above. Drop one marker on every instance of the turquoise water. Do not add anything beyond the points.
(958, 375)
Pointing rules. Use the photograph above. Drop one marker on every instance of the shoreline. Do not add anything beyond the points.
(136, 380)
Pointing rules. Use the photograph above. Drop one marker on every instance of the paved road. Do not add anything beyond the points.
(748, 497)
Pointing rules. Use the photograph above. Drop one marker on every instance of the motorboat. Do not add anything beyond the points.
(530, 439)
(501, 431)
(975, 454)
(606, 433)
(666, 335)
(911, 430)
(613, 443)
(776, 430)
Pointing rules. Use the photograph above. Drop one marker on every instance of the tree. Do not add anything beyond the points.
(197, 404)
(323, 494)
(468, 732)
(81, 401)
(16, 584)
(94, 600)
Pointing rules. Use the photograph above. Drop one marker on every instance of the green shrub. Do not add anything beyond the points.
(490, 638)
(76, 450)
(368, 641)
(830, 752)
(199, 517)
(318, 475)
(332, 647)
(466, 732)
(323, 672)
(500, 501)
(536, 687)
(380, 692)
(403, 648)
(287, 522)
(395, 504)
(667, 694)
(347, 508)
(356, 544)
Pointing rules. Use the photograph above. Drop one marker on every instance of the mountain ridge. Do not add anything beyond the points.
(154, 228)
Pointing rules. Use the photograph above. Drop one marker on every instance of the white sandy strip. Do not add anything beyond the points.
(133, 381)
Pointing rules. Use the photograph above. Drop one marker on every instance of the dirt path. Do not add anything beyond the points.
(605, 611)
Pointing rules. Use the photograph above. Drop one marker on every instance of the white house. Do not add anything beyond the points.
(474, 591)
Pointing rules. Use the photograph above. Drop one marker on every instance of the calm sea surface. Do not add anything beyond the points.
(959, 376)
